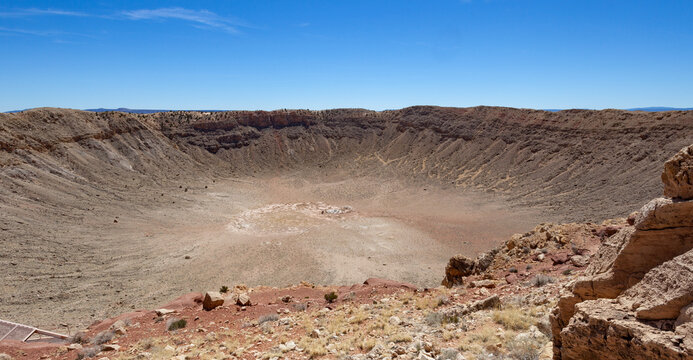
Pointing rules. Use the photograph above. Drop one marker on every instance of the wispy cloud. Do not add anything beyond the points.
(201, 18)
(58, 35)
(41, 12)
(30, 32)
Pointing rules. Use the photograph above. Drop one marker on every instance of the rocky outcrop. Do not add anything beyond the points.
(563, 241)
(460, 266)
(632, 302)
(676, 177)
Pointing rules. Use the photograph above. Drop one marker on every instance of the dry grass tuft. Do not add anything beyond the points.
(513, 318)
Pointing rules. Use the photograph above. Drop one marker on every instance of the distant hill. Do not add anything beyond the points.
(145, 111)
(150, 111)
(658, 108)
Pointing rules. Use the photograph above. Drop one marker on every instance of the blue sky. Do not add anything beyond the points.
(325, 54)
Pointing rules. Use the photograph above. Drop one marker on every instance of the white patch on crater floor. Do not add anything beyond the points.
(287, 219)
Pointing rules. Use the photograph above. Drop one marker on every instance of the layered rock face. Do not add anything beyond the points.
(636, 298)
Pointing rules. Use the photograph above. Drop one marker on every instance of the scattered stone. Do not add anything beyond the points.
(75, 347)
(243, 300)
(560, 258)
(607, 231)
(212, 300)
(579, 260)
(118, 327)
(490, 284)
(394, 320)
(315, 333)
(110, 347)
(162, 312)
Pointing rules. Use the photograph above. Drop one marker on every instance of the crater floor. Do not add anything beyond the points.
(271, 231)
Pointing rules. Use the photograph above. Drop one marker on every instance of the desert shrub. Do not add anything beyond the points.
(400, 337)
(435, 318)
(146, 344)
(544, 251)
(175, 324)
(524, 349)
(89, 352)
(265, 318)
(367, 344)
(448, 354)
(512, 318)
(79, 337)
(442, 300)
(426, 303)
(512, 269)
(478, 340)
(528, 267)
(103, 337)
(541, 280)
(299, 306)
(567, 271)
(224, 289)
(331, 296)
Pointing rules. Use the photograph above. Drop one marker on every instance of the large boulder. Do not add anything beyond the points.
(663, 213)
(664, 291)
(459, 267)
(678, 175)
(212, 300)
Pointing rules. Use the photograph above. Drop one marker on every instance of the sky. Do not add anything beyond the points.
(373, 54)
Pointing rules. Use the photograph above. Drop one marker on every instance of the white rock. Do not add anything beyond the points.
(424, 356)
(162, 312)
(243, 300)
(394, 320)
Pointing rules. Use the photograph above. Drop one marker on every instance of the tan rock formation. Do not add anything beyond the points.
(677, 179)
(212, 300)
(637, 285)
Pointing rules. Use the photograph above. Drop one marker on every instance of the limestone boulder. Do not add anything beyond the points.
(663, 213)
(678, 175)
(664, 290)
(605, 329)
(212, 300)
(243, 299)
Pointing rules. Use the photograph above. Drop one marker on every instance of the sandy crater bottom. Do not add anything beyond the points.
(273, 231)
